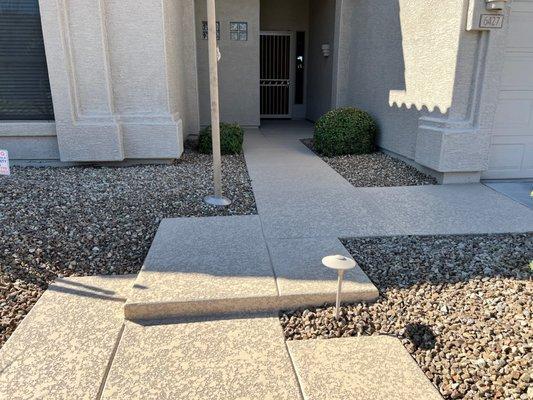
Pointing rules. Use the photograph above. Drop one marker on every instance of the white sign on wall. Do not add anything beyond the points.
(4, 162)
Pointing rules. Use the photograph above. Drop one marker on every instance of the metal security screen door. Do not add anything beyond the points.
(276, 84)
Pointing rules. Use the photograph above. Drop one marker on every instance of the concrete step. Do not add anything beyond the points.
(74, 344)
(218, 265)
(64, 346)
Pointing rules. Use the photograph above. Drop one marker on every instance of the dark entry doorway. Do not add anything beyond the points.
(276, 74)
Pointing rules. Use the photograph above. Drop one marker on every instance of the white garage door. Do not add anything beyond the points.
(511, 152)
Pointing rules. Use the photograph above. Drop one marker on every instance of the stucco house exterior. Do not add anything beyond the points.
(450, 83)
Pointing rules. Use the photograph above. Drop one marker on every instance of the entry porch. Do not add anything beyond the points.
(277, 59)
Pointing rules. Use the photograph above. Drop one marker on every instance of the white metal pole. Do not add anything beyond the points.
(339, 289)
(217, 199)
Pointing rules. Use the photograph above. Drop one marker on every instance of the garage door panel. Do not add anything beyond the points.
(518, 72)
(513, 114)
(528, 157)
(516, 94)
(506, 156)
(511, 161)
(520, 36)
(511, 150)
(512, 140)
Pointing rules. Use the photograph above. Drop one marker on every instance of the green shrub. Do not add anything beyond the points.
(345, 131)
(231, 138)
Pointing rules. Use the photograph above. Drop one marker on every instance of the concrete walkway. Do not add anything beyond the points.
(193, 329)
(64, 346)
(205, 266)
(201, 266)
(298, 195)
(75, 345)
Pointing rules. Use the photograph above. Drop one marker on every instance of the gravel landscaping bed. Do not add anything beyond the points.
(374, 170)
(461, 305)
(57, 222)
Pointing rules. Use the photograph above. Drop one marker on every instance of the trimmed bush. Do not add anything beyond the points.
(231, 138)
(345, 131)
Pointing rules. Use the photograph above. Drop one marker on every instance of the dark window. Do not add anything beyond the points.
(300, 68)
(205, 30)
(24, 86)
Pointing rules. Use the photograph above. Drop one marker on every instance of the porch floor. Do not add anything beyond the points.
(212, 266)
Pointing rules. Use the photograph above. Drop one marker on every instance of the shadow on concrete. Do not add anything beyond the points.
(91, 288)
(76, 288)
(85, 293)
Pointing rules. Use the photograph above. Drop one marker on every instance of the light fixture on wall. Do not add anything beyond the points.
(326, 50)
(495, 5)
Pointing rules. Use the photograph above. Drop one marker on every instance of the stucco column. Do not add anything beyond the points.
(458, 143)
(430, 83)
(117, 76)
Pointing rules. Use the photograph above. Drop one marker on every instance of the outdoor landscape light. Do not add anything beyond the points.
(495, 5)
(341, 264)
(325, 50)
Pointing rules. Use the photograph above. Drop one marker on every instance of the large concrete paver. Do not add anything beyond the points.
(221, 265)
(203, 266)
(63, 347)
(238, 358)
(363, 368)
(303, 280)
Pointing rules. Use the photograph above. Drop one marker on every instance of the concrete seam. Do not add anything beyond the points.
(298, 377)
(110, 362)
(261, 224)
(269, 255)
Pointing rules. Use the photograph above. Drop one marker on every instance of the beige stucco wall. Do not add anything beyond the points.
(421, 74)
(238, 67)
(129, 79)
(390, 46)
(181, 63)
(320, 68)
(122, 80)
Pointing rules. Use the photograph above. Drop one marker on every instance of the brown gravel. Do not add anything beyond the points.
(374, 170)
(462, 306)
(84, 221)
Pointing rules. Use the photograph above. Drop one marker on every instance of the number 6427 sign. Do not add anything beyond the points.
(490, 21)
(4, 162)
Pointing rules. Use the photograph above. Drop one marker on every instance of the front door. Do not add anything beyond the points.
(276, 84)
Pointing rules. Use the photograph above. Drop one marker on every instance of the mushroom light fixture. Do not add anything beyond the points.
(341, 264)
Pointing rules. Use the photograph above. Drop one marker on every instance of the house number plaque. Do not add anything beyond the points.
(486, 15)
(491, 21)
